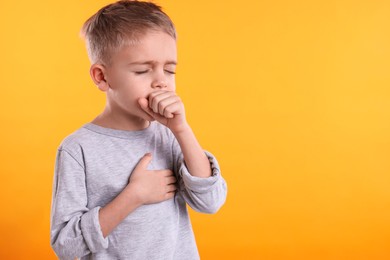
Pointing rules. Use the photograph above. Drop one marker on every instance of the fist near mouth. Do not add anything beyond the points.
(166, 108)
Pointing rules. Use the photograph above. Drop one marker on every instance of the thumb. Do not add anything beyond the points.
(144, 104)
(144, 162)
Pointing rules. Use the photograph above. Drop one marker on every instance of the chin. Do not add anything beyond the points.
(146, 117)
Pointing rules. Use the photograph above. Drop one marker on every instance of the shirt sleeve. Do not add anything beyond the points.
(206, 195)
(74, 228)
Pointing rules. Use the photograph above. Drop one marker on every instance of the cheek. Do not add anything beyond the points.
(172, 86)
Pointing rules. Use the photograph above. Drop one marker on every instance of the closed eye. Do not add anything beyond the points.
(170, 72)
(141, 72)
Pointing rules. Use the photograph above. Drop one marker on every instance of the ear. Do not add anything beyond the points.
(98, 75)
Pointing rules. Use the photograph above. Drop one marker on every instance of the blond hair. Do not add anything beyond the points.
(122, 23)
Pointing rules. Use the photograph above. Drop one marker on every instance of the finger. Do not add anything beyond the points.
(169, 195)
(144, 162)
(173, 109)
(144, 104)
(156, 97)
(171, 180)
(156, 93)
(151, 98)
(164, 103)
(171, 188)
(153, 116)
(166, 173)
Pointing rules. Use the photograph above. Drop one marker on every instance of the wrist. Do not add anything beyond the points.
(130, 192)
(185, 128)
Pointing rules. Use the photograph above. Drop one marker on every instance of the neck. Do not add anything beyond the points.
(120, 121)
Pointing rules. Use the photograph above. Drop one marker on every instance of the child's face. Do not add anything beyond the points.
(140, 69)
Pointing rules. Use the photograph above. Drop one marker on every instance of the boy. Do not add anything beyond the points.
(122, 181)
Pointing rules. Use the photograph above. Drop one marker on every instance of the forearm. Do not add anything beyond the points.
(166, 108)
(116, 211)
(195, 158)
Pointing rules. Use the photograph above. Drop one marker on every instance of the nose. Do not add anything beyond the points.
(159, 82)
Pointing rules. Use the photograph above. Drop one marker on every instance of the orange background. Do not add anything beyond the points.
(292, 97)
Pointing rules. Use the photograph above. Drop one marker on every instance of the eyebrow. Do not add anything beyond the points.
(151, 62)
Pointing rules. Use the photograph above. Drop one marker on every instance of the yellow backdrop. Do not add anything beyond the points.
(292, 96)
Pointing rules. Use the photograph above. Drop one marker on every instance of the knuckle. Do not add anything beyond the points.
(161, 105)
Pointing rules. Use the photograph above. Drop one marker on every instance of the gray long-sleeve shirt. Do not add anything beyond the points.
(93, 166)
